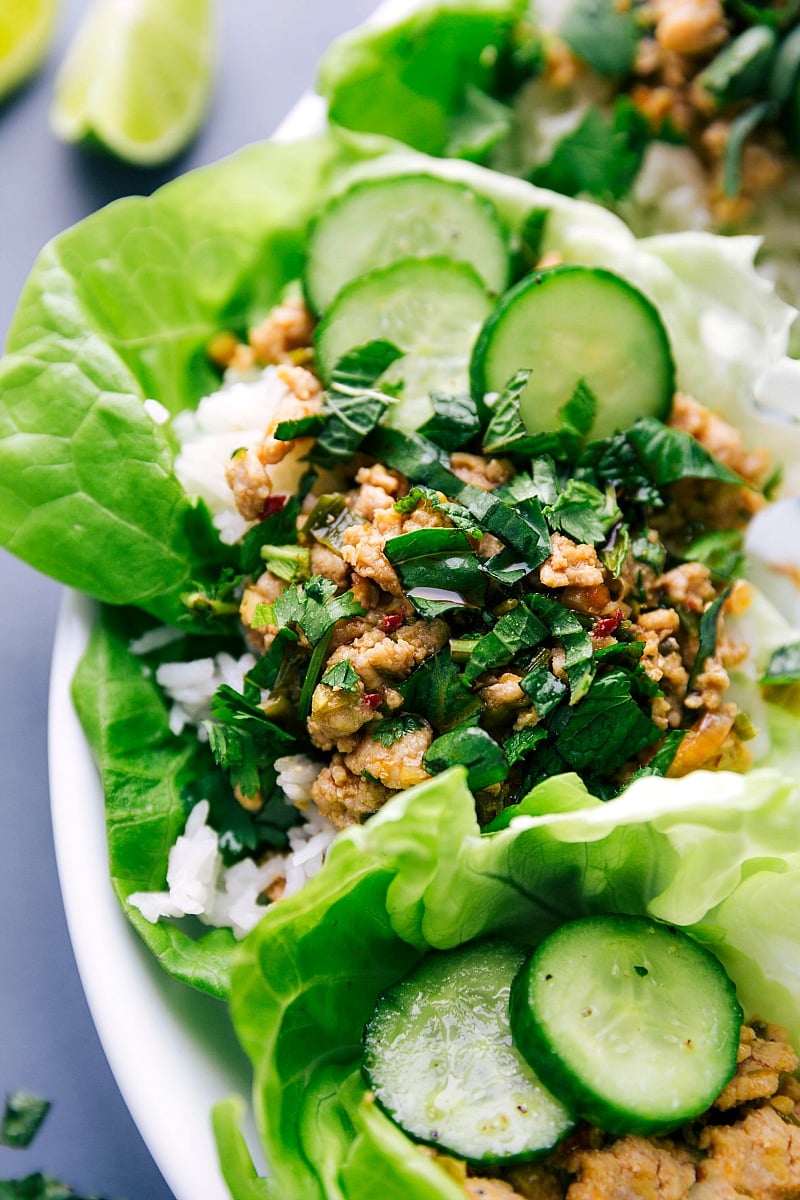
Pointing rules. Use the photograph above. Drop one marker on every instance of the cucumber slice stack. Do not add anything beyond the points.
(573, 324)
(430, 308)
(493, 1053)
(439, 1057)
(380, 221)
(632, 1023)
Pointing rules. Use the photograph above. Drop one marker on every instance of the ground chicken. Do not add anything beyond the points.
(249, 481)
(379, 488)
(762, 1062)
(380, 658)
(502, 697)
(490, 1189)
(336, 715)
(688, 585)
(481, 472)
(690, 27)
(288, 327)
(632, 1168)
(345, 798)
(571, 564)
(362, 549)
(397, 766)
(325, 561)
(757, 1157)
(303, 399)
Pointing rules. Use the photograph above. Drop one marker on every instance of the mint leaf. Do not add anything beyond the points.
(518, 630)
(784, 665)
(455, 421)
(436, 690)
(22, 1119)
(352, 407)
(473, 748)
(709, 627)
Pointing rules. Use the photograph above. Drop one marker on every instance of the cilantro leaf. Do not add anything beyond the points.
(390, 730)
(278, 529)
(342, 676)
(22, 1119)
(314, 607)
(583, 512)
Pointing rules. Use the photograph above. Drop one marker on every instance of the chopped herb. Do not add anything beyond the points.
(328, 520)
(652, 553)
(518, 630)
(603, 34)
(602, 156)
(579, 664)
(277, 529)
(470, 747)
(438, 558)
(507, 432)
(668, 455)
(312, 426)
(707, 633)
(313, 607)
(353, 406)
(544, 690)
(608, 727)
(532, 237)
(416, 457)
(477, 126)
(784, 665)
(214, 601)
(23, 1116)
(437, 691)
(520, 744)
(243, 740)
(583, 512)
(342, 676)
(521, 528)
(455, 421)
(390, 730)
(615, 551)
(664, 756)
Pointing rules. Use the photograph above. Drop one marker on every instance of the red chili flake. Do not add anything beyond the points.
(605, 626)
(392, 621)
(372, 699)
(272, 504)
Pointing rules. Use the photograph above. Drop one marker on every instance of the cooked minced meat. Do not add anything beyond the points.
(439, 638)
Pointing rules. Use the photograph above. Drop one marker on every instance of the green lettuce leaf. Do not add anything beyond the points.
(119, 309)
(143, 767)
(721, 861)
(420, 80)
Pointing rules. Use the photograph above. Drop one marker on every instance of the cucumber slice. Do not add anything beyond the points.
(439, 1056)
(631, 1022)
(379, 221)
(430, 308)
(575, 323)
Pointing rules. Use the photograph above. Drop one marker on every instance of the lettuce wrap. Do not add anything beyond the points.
(716, 854)
(118, 312)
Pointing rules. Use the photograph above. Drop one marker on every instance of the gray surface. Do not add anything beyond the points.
(47, 1042)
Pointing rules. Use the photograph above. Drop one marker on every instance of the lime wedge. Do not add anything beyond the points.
(25, 30)
(137, 78)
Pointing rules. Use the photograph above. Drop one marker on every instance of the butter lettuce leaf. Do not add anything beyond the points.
(143, 767)
(718, 855)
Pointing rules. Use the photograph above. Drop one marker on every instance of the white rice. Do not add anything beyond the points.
(236, 416)
(198, 882)
(191, 686)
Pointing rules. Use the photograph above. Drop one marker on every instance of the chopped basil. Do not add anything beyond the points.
(608, 727)
(664, 756)
(518, 630)
(312, 426)
(328, 520)
(668, 455)
(455, 421)
(438, 558)
(436, 690)
(579, 665)
(544, 690)
(707, 633)
(457, 513)
(721, 550)
(352, 406)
